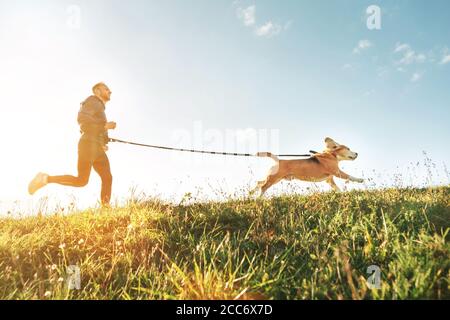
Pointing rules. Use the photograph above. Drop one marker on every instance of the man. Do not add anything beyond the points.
(92, 147)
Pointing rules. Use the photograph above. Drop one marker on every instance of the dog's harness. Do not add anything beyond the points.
(208, 152)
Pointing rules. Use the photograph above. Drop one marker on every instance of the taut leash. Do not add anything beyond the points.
(205, 152)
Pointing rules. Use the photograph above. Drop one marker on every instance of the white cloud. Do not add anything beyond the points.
(288, 24)
(382, 71)
(445, 57)
(347, 66)
(268, 30)
(399, 47)
(362, 45)
(421, 57)
(416, 77)
(247, 16)
(409, 56)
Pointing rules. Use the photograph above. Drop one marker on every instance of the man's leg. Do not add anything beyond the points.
(84, 171)
(87, 153)
(102, 167)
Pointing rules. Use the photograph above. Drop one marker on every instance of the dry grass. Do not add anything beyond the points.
(290, 247)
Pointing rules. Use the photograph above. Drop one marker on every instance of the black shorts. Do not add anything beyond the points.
(90, 150)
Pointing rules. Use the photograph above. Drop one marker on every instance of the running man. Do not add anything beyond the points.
(92, 147)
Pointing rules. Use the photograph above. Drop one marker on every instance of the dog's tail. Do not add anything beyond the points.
(267, 155)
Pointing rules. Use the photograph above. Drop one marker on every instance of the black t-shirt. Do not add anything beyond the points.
(92, 120)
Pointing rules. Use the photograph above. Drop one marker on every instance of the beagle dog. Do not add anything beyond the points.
(323, 166)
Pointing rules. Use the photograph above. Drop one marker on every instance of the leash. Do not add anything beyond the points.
(205, 152)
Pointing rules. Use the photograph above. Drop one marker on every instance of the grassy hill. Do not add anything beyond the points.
(289, 247)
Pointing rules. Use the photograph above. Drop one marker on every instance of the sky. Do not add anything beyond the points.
(237, 76)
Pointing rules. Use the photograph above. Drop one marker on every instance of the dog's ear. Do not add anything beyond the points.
(330, 143)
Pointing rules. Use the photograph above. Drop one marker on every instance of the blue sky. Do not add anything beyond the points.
(296, 70)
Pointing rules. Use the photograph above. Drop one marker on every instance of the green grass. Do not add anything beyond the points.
(289, 247)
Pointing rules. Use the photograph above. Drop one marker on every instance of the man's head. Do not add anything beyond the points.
(102, 91)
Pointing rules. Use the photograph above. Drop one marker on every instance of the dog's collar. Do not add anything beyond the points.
(331, 153)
